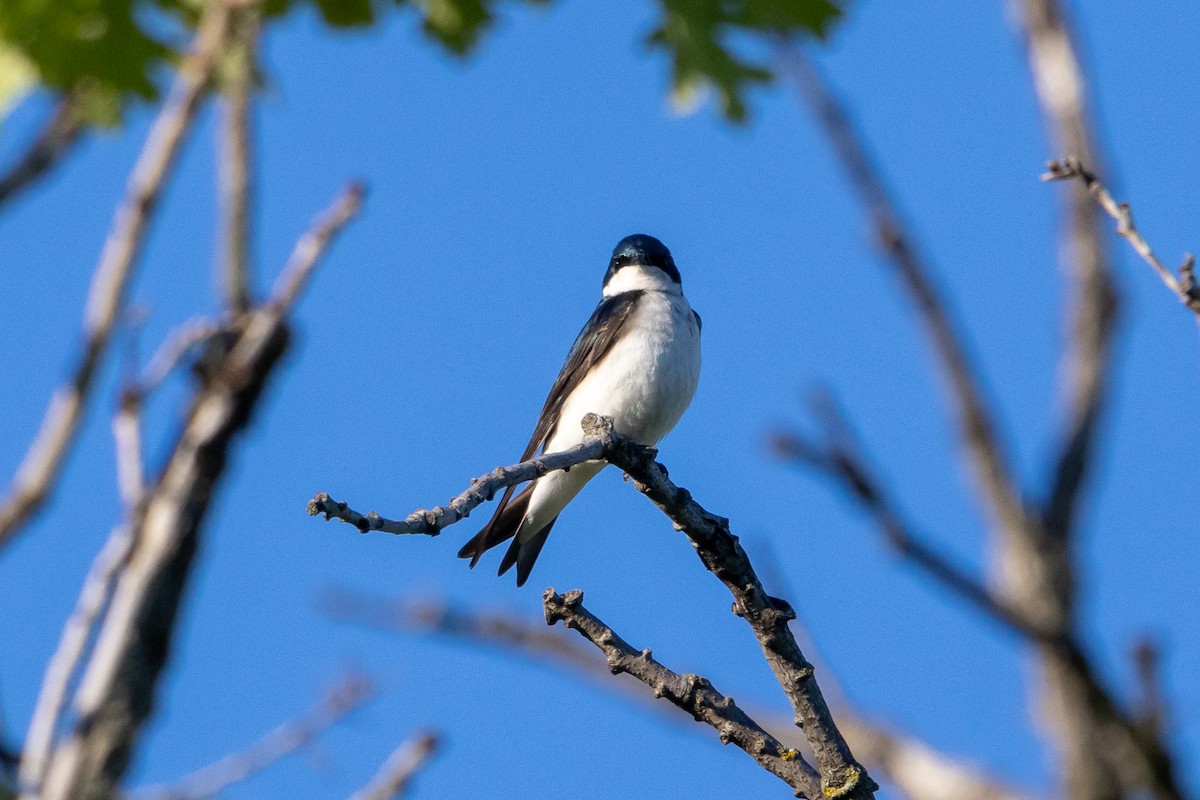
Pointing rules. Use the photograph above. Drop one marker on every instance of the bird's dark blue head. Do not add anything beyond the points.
(641, 250)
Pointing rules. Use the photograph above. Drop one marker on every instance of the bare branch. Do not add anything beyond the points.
(1184, 287)
(38, 473)
(289, 737)
(1152, 705)
(921, 772)
(718, 549)
(1103, 754)
(236, 172)
(52, 144)
(692, 693)
(93, 601)
(395, 777)
(977, 425)
(839, 456)
(312, 245)
(127, 431)
(117, 690)
(482, 489)
(1062, 93)
(918, 770)
(181, 341)
(472, 626)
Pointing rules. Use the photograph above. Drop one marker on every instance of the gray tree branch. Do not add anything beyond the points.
(287, 738)
(1101, 752)
(921, 772)
(235, 184)
(691, 693)
(52, 144)
(978, 428)
(718, 549)
(840, 458)
(1061, 88)
(117, 688)
(38, 473)
(64, 663)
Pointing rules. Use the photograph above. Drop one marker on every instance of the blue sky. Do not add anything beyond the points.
(430, 336)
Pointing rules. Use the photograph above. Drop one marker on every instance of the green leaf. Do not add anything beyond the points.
(696, 34)
(100, 50)
(17, 77)
(93, 41)
(456, 24)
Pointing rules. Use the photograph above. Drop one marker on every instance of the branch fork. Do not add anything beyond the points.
(718, 549)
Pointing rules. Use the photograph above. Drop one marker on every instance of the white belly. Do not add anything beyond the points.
(645, 383)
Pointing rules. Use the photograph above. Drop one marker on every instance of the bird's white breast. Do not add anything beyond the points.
(645, 383)
(646, 380)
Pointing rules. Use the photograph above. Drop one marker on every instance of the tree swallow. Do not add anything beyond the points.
(636, 360)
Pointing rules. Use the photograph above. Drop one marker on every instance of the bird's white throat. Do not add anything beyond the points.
(634, 277)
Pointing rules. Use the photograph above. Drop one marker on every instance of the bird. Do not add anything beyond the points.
(637, 360)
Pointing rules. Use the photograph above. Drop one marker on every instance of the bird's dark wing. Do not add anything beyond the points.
(591, 345)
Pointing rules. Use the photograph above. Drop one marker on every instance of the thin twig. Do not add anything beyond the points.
(39, 471)
(430, 522)
(117, 690)
(236, 167)
(1184, 287)
(692, 693)
(287, 738)
(395, 777)
(52, 144)
(312, 245)
(719, 551)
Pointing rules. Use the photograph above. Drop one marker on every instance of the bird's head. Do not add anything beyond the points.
(641, 262)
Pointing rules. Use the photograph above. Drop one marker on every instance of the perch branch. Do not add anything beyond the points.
(289, 737)
(396, 775)
(717, 548)
(38, 473)
(691, 693)
(1184, 287)
(430, 522)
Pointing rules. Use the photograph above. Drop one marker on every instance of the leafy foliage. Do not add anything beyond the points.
(109, 51)
(696, 34)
